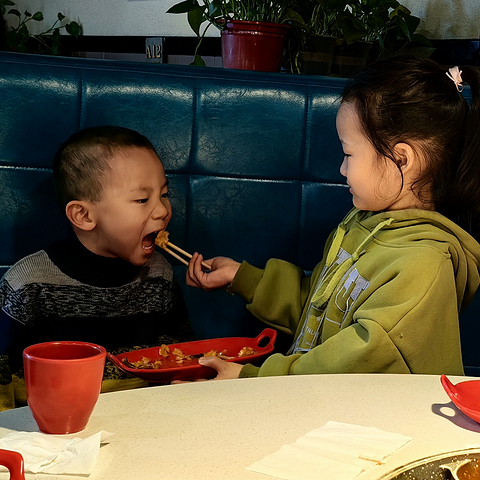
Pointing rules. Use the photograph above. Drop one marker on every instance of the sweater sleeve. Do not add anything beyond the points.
(10, 331)
(398, 328)
(275, 295)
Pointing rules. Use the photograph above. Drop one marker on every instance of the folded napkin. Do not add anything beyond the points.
(336, 451)
(44, 453)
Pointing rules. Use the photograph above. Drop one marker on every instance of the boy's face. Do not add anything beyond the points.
(134, 206)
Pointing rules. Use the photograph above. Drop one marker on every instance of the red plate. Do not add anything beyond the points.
(191, 369)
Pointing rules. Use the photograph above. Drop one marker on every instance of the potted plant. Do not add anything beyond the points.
(358, 25)
(253, 32)
(314, 37)
(388, 26)
(19, 39)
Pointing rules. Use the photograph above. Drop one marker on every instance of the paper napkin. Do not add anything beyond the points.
(336, 451)
(44, 453)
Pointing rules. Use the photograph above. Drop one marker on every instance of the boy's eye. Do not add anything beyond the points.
(142, 200)
(165, 195)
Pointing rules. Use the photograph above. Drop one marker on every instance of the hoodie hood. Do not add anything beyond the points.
(403, 228)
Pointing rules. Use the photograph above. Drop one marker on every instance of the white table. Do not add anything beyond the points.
(213, 430)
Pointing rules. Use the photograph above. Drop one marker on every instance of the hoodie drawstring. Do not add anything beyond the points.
(321, 297)
(323, 294)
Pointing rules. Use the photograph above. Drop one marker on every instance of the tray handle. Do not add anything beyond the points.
(117, 362)
(448, 386)
(269, 333)
(14, 462)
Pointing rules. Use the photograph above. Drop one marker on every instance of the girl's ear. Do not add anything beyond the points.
(405, 156)
(80, 215)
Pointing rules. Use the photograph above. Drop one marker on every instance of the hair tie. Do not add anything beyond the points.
(455, 75)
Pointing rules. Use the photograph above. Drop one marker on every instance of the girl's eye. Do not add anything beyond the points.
(165, 195)
(142, 200)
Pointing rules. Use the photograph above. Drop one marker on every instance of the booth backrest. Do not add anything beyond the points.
(252, 160)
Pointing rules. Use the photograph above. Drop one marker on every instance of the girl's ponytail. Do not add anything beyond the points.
(461, 199)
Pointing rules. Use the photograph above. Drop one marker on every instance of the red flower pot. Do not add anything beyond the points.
(253, 45)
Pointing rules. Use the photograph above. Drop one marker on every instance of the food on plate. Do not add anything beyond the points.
(170, 359)
(164, 351)
(144, 362)
(246, 351)
(180, 357)
(214, 353)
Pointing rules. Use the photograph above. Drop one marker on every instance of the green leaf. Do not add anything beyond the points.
(195, 19)
(404, 10)
(352, 29)
(215, 9)
(15, 12)
(402, 28)
(23, 34)
(38, 16)
(390, 4)
(74, 29)
(412, 23)
(421, 39)
(60, 16)
(294, 17)
(4, 4)
(184, 7)
(198, 61)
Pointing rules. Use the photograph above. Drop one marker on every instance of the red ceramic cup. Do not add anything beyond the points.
(63, 382)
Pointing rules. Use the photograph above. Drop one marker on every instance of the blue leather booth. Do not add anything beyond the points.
(252, 158)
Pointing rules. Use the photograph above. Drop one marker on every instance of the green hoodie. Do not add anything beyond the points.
(384, 299)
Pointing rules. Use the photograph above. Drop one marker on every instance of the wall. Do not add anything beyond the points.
(441, 19)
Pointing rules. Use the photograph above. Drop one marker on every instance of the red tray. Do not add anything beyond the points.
(192, 369)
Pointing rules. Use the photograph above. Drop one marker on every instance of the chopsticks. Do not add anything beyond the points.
(162, 241)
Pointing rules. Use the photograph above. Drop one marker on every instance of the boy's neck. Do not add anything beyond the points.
(78, 262)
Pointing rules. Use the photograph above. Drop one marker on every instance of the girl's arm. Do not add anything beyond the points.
(399, 328)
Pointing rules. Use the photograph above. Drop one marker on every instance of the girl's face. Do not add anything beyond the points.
(134, 206)
(375, 183)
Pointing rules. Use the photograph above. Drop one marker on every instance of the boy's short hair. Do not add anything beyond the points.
(81, 162)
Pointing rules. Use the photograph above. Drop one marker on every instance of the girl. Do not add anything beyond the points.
(404, 262)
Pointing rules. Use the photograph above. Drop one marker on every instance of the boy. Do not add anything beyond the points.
(107, 284)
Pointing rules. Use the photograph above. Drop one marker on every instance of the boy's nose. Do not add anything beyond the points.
(161, 209)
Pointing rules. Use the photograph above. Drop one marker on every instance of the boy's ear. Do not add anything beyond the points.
(80, 215)
(404, 155)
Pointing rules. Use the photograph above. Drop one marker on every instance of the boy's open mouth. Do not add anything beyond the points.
(148, 242)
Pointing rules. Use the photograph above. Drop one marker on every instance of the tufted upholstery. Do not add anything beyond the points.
(252, 160)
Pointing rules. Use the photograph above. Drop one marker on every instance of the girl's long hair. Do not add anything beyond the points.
(410, 99)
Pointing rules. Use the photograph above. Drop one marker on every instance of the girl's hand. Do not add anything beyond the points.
(225, 370)
(221, 274)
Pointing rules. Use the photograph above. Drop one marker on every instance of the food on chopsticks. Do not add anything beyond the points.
(163, 241)
(176, 357)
